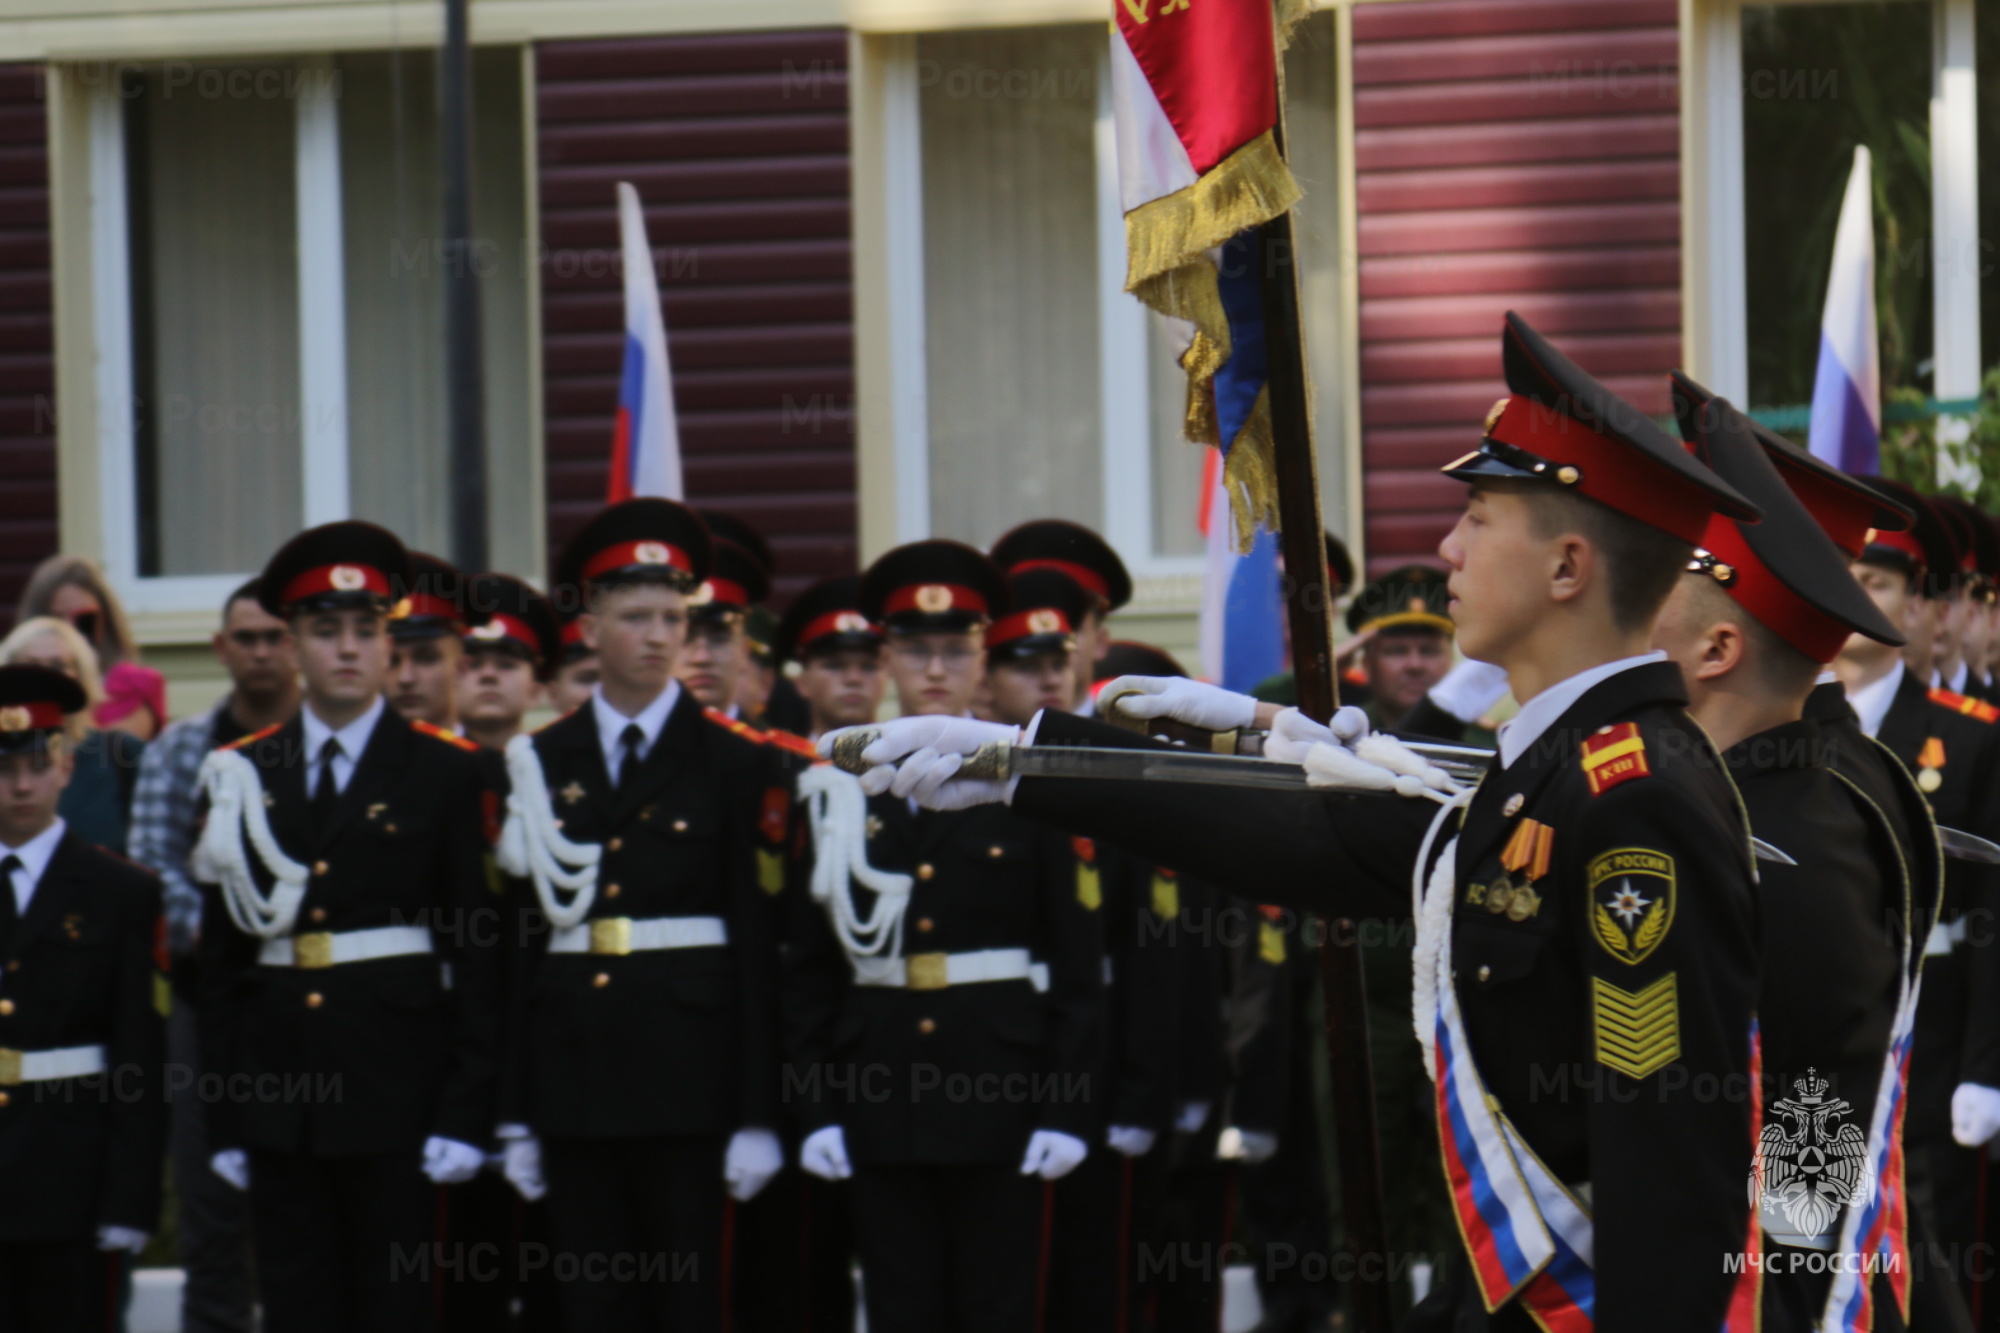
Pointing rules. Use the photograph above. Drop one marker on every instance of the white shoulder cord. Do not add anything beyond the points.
(236, 807)
(531, 844)
(838, 810)
(1431, 906)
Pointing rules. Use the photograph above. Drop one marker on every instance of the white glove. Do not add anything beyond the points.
(1194, 702)
(1130, 1139)
(1975, 1114)
(449, 1162)
(1191, 1117)
(1469, 689)
(1258, 1145)
(1293, 733)
(907, 735)
(121, 1238)
(824, 1153)
(521, 1163)
(1053, 1154)
(753, 1158)
(233, 1165)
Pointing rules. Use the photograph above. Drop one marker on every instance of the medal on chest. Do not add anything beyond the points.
(1523, 861)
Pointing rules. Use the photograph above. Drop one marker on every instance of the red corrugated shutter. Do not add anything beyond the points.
(738, 143)
(1509, 154)
(27, 341)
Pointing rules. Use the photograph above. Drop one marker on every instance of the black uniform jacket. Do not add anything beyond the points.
(1612, 1023)
(363, 1057)
(962, 1074)
(664, 1041)
(80, 1153)
(1958, 1018)
(1141, 936)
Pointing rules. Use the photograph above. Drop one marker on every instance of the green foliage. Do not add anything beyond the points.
(1910, 448)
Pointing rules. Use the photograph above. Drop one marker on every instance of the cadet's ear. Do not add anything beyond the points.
(1722, 648)
(1573, 566)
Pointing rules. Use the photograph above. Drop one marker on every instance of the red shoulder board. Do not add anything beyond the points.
(1614, 755)
(734, 726)
(797, 745)
(777, 808)
(1085, 849)
(449, 737)
(1961, 703)
(254, 736)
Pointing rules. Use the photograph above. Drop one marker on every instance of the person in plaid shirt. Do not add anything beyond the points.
(256, 650)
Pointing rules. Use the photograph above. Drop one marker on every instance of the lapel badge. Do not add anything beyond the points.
(72, 926)
(572, 793)
(871, 826)
(1513, 806)
(375, 810)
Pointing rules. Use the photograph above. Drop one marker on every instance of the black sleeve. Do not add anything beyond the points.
(815, 981)
(137, 1054)
(1979, 1055)
(759, 783)
(1148, 950)
(224, 957)
(1073, 936)
(473, 907)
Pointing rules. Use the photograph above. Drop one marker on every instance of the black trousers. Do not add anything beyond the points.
(793, 1258)
(214, 1219)
(1098, 1239)
(61, 1287)
(951, 1249)
(637, 1226)
(345, 1244)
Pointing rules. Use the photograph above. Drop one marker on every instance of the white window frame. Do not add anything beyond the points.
(322, 344)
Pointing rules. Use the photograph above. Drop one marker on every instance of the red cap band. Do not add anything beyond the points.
(39, 716)
(1607, 471)
(1906, 542)
(934, 599)
(836, 622)
(504, 626)
(1846, 515)
(428, 604)
(572, 633)
(664, 554)
(721, 592)
(1764, 595)
(1086, 578)
(1022, 624)
(336, 578)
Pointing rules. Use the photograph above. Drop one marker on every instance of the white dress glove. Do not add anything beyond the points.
(233, 1165)
(1191, 1117)
(1975, 1114)
(521, 1163)
(824, 1153)
(1293, 733)
(1130, 1139)
(916, 757)
(121, 1238)
(1194, 702)
(1470, 689)
(753, 1158)
(449, 1162)
(1053, 1154)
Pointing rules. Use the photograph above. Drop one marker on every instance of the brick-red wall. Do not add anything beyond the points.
(1510, 154)
(27, 349)
(738, 144)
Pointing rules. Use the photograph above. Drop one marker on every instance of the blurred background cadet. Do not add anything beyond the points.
(97, 803)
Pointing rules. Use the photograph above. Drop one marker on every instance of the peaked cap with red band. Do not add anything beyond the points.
(431, 602)
(349, 563)
(1784, 571)
(34, 700)
(516, 619)
(1048, 606)
(934, 585)
(573, 649)
(735, 583)
(1972, 533)
(729, 528)
(825, 618)
(1057, 543)
(642, 540)
(1560, 426)
(1925, 551)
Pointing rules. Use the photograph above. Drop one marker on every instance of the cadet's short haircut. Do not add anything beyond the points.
(246, 592)
(1780, 668)
(1640, 561)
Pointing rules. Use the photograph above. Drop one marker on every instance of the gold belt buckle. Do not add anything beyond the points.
(611, 935)
(925, 971)
(10, 1066)
(313, 950)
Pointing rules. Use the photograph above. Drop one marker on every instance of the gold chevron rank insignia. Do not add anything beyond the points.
(1637, 1032)
(1632, 897)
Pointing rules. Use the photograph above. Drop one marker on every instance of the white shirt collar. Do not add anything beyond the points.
(1957, 682)
(353, 740)
(1871, 702)
(34, 854)
(611, 724)
(1519, 733)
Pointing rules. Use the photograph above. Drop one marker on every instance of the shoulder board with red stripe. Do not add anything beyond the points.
(436, 732)
(734, 726)
(1961, 703)
(1614, 755)
(253, 737)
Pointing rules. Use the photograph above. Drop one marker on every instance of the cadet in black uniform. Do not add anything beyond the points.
(643, 1064)
(507, 659)
(350, 964)
(717, 657)
(1072, 549)
(1596, 904)
(839, 653)
(946, 998)
(425, 621)
(83, 1122)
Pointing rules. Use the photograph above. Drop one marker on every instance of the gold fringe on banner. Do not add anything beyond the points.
(1250, 186)
(1250, 475)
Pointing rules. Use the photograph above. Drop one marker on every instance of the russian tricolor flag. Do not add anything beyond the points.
(1847, 390)
(646, 442)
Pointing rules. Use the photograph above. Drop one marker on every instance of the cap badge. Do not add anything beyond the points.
(1417, 604)
(1044, 622)
(701, 596)
(650, 553)
(347, 578)
(850, 622)
(492, 629)
(15, 719)
(933, 598)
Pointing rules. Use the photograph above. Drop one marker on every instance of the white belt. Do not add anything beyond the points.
(45, 1066)
(935, 971)
(326, 948)
(616, 935)
(1945, 935)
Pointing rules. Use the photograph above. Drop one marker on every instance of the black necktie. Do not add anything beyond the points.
(9, 912)
(628, 766)
(324, 795)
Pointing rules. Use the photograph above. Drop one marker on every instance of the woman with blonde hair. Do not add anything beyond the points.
(98, 801)
(73, 589)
